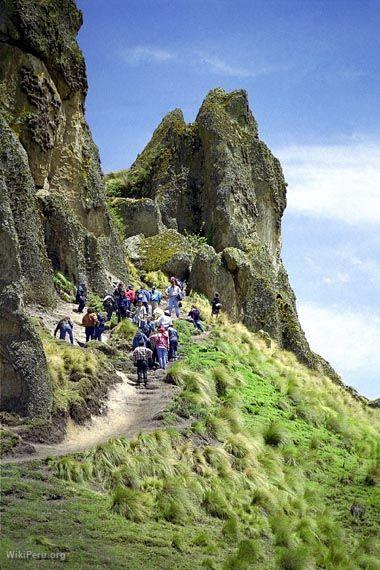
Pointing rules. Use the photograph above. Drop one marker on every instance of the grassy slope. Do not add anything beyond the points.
(265, 477)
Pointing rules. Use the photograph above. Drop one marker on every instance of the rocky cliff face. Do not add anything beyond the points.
(215, 178)
(53, 213)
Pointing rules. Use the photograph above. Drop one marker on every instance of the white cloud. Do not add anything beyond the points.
(340, 182)
(219, 66)
(150, 54)
(349, 340)
(338, 278)
(201, 60)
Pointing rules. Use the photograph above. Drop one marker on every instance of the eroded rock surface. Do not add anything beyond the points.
(53, 210)
(216, 179)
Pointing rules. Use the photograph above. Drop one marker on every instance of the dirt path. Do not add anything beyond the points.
(130, 409)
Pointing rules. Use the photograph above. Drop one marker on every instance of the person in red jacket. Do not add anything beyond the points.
(130, 297)
(161, 343)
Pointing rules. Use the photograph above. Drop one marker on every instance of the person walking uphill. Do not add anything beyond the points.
(141, 356)
(216, 305)
(155, 299)
(89, 322)
(109, 305)
(174, 294)
(173, 343)
(65, 326)
(119, 295)
(195, 317)
(81, 296)
(161, 342)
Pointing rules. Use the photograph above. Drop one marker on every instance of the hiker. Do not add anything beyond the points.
(162, 344)
(140, 314)
(109, 305)
(155, 298)
(149, 326)
(99, 327)
(216, 305)
(173, 343)
(165, 320)
(153, 340)
(119, 295)
(194, 316)
(130, 298)
(81, 296)
(143, 296)
(174, 294)
(140, 336)
(65, 326)
(89, 321)
(141, 356)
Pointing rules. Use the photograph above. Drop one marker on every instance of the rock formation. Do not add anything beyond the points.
(216, 179)
(53, 212)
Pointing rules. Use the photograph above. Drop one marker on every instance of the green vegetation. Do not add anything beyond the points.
(155, 251)
(76, 374)
(65, 288)
(278, 467)
(116, 217)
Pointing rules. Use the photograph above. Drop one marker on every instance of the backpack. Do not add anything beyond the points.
(138, 337)
(173, 334)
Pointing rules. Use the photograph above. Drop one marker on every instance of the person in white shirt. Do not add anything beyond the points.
(140, 315)
(174, 294)
(165, 321)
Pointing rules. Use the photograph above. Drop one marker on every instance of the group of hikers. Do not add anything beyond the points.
(156, 340)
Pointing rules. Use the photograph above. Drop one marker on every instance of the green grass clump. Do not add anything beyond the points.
(124, 331)
(95, 302)
(276, 434)
(65, 288)
(8, 441)
(134, 505)
(156, 279)
(223, 380)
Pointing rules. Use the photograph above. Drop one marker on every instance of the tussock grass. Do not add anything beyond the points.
(124, 331)
(276, 434)
(74, 372)
(134, 505)
(264, 432)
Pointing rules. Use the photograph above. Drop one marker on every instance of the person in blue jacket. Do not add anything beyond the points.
(99, 328)
(155, 299)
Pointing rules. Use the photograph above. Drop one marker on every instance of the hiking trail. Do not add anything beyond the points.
(129, 409)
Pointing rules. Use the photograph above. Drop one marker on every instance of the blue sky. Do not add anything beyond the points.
(311, 69)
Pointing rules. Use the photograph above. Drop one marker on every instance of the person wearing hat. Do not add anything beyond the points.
(174, 295)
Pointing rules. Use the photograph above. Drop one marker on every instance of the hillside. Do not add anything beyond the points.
(247, 452)
(278, 468)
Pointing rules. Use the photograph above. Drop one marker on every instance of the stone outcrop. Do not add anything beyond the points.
(215, 179)
(53, 212)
